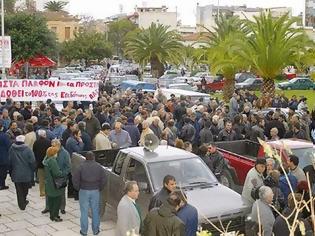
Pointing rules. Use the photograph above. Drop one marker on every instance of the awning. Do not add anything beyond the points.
(38, 61)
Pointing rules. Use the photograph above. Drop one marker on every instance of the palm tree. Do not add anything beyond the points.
(55, 6)
(223, 45)
(156, 45)
(271, 45)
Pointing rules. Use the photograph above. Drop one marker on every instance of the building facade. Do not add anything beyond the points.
(309, 13)
(159, 15)
(206, 15)
(62, 24)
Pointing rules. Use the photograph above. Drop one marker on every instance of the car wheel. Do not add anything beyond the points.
(227, 179)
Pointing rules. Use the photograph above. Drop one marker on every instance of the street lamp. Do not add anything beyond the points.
(2, 32)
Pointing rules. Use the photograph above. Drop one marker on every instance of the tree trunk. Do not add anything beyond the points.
(157, 68)
(228, 89)
(268, 88)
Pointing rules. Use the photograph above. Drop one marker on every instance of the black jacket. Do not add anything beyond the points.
(275, 124)
(39, 148)
(159, 198)
(89, 176)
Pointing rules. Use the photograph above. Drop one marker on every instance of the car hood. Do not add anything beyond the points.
(217, 201)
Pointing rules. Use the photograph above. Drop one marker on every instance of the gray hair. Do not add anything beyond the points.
(129, 186)
(264, 191)
(82, 125)
(272, 160)
(56, 142)
(41, 133)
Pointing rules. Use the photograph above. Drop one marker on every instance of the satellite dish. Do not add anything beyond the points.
(151, 142)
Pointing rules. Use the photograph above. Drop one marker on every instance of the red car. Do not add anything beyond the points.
(212, 83)
(242, 155)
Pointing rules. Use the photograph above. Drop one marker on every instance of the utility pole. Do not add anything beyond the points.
(2, 32)
(218, 9)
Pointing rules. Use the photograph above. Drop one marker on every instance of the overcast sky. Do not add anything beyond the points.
(186, 8)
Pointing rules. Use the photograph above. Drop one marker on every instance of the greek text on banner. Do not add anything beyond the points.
(56, 90)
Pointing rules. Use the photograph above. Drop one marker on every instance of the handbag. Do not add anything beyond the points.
(60, 182)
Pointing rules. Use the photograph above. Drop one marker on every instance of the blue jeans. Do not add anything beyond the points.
(89, 199)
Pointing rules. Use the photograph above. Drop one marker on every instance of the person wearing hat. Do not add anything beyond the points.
(101, 140)
(254, 179)
(22, 166)
(52, 171)
(4, 156)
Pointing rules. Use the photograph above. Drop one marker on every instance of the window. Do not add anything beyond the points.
(136, 172)
(54, 29)
(119, 162)
(67, 32)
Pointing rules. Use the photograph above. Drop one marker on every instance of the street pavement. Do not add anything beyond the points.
(15, 222)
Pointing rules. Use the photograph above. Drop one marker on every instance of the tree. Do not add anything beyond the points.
(29, 35)
(156, 45)
(9, 6)
(55, 6)
(271, 45)
(223, 45)
(88, 46)
(117, 34)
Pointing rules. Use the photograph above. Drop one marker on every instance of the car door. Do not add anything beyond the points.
(136, 171)
(117, 179)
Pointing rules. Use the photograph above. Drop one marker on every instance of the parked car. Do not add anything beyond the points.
(214, 83)
(214, 201)
(182, 86)
(250, 84)
(137, 85)
(242, 154)
(241, 77)
(297, 84)
(194, 96)
(165, 80)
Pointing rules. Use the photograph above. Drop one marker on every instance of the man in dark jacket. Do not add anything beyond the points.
(85, 136)
(22, 166)
(89, 179)
(163, 220)
(258, 131)
(74, 142)
(188, 214)
(296, 132)
(206, 134)
(93, 126)
(275, 123)
(214, 160)
(71, 126)
(133, 131)
(188, 131)
(39, 148)
(227, 134)
(4, 156)
(169, 185)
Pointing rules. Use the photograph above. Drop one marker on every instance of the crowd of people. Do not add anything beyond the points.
(37, 141)
(284, 188)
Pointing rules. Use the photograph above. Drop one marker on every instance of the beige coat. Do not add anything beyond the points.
(143, 134)
(102, 142)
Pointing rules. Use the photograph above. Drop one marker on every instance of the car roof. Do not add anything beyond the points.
(161, 153)
(291, 143)
(185, 92)
(134, 82)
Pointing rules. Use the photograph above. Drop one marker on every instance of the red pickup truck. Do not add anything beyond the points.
(242, 155)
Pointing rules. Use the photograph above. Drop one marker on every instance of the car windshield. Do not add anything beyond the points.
(305, 156)
(187, 172)
(249, 80)
(293, 80)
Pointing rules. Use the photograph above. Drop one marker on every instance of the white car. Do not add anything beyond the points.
(183, 86)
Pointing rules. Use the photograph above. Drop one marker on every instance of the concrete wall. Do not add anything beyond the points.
(164, 18)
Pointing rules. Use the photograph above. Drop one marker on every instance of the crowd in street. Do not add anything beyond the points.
(37, 141)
